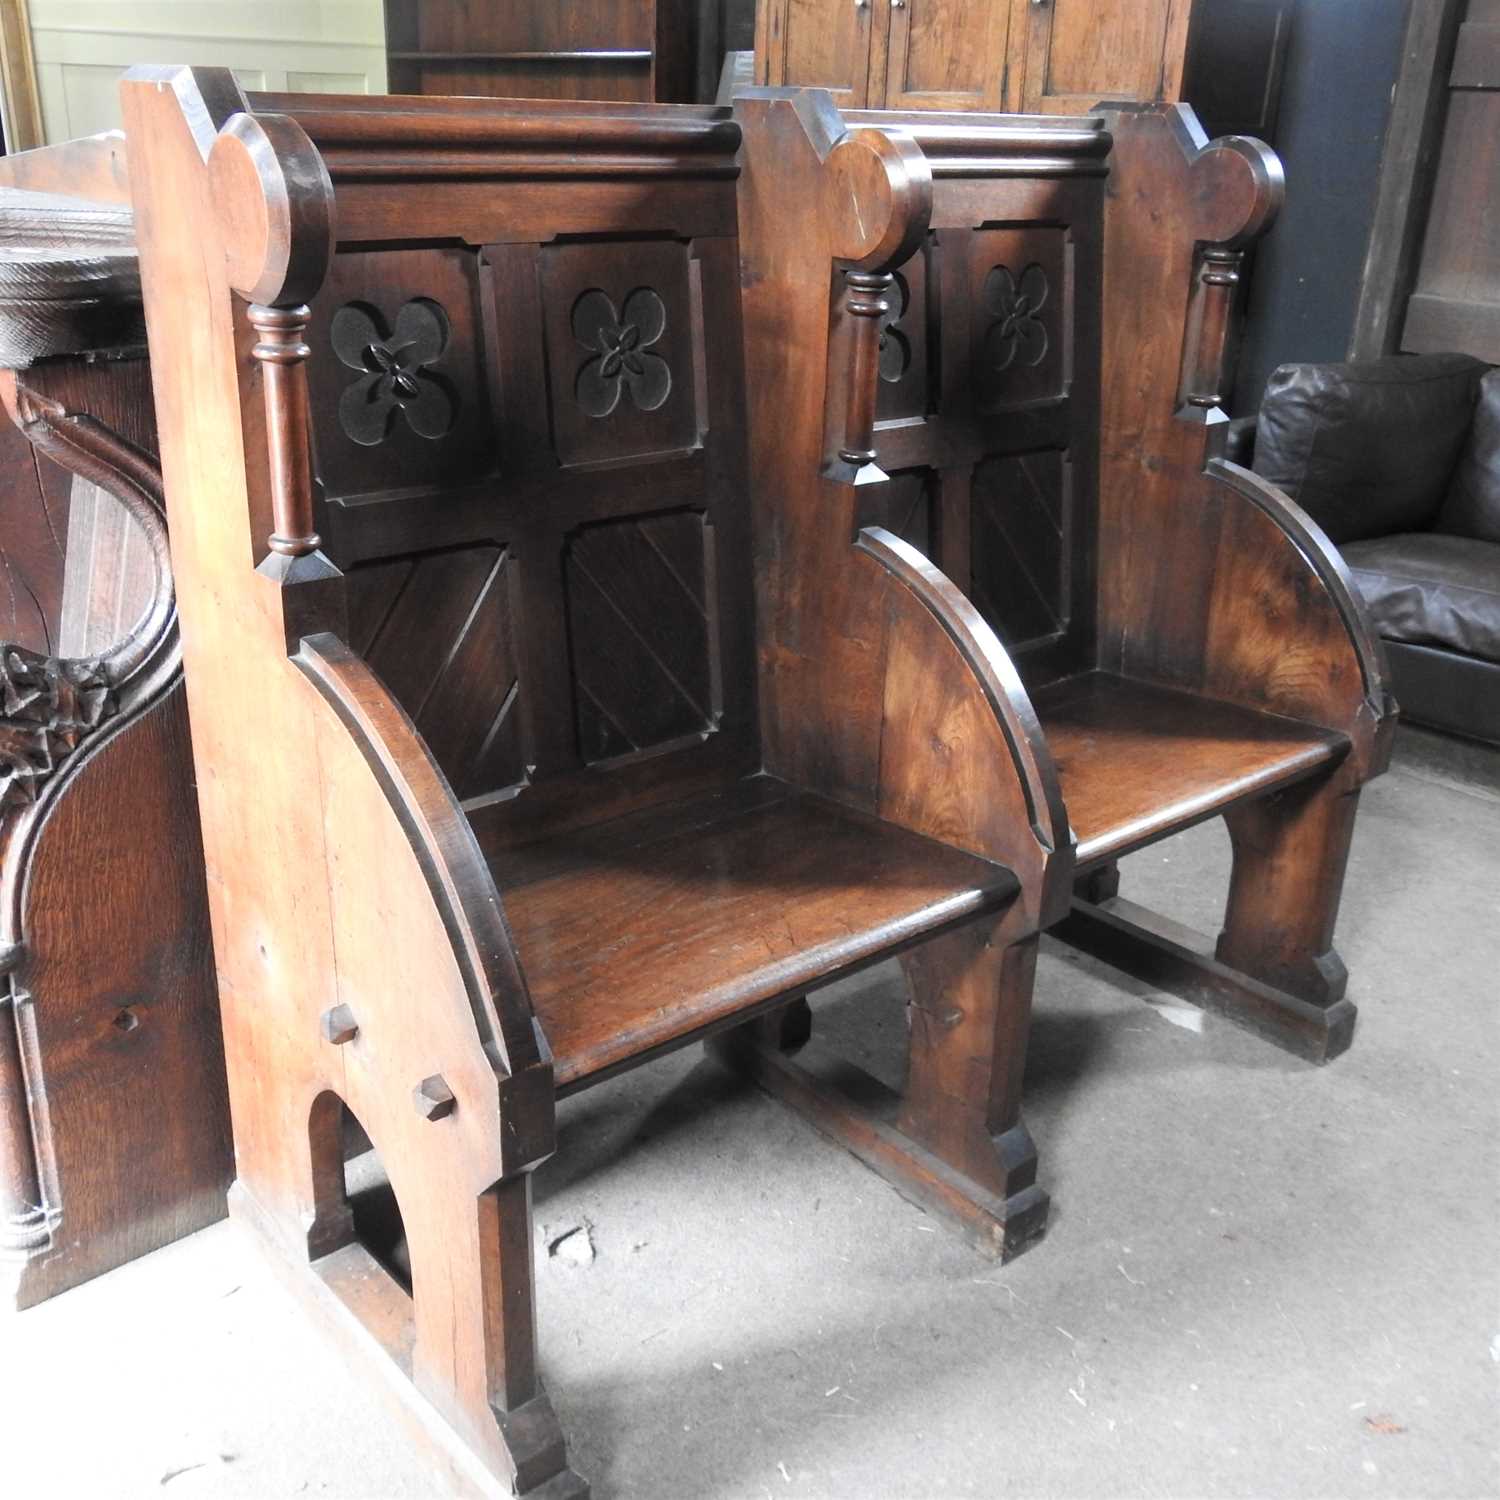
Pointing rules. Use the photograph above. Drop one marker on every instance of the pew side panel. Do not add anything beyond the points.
(363, 959)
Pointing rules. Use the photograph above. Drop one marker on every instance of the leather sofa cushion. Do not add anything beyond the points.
(1473, 504)
(1431, 590)
(1367, 448)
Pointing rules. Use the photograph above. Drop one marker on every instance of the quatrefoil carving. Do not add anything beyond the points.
(621, 344)
(395, 374)
(1017, 336)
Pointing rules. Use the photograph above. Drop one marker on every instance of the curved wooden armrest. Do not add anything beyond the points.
(1325, 560)
(1287, 631)
(962, 754)
(458, 880)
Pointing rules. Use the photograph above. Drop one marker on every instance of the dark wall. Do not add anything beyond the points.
(1341, 67)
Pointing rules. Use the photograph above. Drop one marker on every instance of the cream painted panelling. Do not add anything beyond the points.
(308, 46)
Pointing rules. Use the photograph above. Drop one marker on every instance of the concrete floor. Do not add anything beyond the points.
(1261, 1278)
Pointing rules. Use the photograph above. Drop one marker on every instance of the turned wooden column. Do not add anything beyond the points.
(1208, 345)
(865, 302)
(282, 354)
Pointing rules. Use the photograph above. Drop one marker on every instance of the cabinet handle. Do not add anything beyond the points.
(898, 4)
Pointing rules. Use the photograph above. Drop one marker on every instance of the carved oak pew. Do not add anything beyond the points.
(506, 783)
(1049, 361)
(114, 1131)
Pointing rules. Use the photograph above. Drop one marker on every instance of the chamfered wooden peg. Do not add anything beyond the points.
(434, 1099)
(339, 1025)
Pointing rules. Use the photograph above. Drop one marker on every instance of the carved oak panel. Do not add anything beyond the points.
(1020, 316)
(400, 389)
(623, 339)
(440, 629)
(642, 622)
(1020, 526)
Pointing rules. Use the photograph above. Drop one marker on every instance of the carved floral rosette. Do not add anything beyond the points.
(47, 706)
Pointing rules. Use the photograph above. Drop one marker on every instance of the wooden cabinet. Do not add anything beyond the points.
(1041, 56)
(941, 54)
(1077, 52)
(814, 41)
(912, 54)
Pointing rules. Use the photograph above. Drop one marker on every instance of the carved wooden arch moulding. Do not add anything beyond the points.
(54, 711)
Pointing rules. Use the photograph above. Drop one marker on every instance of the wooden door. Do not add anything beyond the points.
(1455, 303)
(1080, 52)
(943, 54)
(820, 43)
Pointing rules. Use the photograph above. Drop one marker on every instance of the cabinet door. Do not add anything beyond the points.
(945, 54)
(1080, 52)
(822, 43)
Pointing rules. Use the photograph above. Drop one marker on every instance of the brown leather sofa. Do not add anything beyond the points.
(1399, 461)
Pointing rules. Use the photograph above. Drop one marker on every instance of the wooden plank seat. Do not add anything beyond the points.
(535, 734)
(1050, 359)
(1137, 761)
(647, 932)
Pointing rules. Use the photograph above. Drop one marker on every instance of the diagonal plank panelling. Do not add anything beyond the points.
(638, 616)
(439, 629)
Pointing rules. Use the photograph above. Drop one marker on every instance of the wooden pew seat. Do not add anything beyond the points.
(650, 930)
(1138, 761)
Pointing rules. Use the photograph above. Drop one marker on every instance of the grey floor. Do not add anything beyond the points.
(1261, 1278)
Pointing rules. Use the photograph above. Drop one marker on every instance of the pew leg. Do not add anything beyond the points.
(969, 1017)
(1102, 883)
(475, 1359)
(952, 1140)
(455, 1353)
(1290, 852)
(1274, 969)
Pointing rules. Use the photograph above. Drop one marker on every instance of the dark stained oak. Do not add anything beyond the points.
(760, 891)
(1138, 762)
